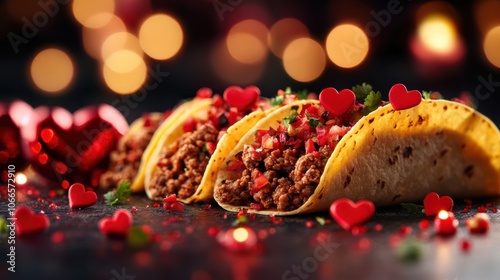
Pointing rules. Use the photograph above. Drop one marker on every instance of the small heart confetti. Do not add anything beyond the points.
(242, 99)
(349, 214)
(118, 225)
(337, 102)
(79, 198)
(401, 98)
(433, 204)
(28, 222)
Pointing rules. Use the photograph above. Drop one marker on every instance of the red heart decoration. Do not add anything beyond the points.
(349, 214)
(69, 147)
(78, 197)
(433, 204)
(401, 99)
(28, 222)
(14, 117)
(241, 99)
(337, 102)
(118, 225)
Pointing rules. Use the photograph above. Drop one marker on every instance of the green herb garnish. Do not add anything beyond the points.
(426, 95)
(292, 117)
(372, 102)
(314, 122)
(3, 225)
(119, 195)
(413, 208)
(321, 221)
(362, 91)
(410, 250)
(137, 237)
(302, 94)
(240, 220)
(278, 100)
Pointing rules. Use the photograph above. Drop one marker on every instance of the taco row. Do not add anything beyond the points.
(289, 155)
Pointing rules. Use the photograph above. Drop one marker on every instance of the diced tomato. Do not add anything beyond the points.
(259, 134)
(312, 95)
(312, 111)
(204, 92)
(217, 101)
(232, 116)
(315, 154)
(210, 147)
(290, 98)
(189, 125)
(322, 136)
(310, 146)
(267, 142)
(170, 199)
(280, 92)
(235, 165)
(259, 181)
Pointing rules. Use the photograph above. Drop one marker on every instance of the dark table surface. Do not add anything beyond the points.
(185, 249)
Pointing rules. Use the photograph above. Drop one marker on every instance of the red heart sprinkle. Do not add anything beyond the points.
(78, 197)
(118, 225)
(28, 222)
(433, 204)
(401, 98)
(241, 99)
(349, 214)
(337, 102)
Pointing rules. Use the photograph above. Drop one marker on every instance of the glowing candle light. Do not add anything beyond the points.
(241, 239)
(445, 223)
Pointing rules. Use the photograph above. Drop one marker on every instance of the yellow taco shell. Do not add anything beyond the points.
(392, 156)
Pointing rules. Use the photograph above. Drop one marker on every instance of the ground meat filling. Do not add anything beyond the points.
(125, 162)
(293, 177)
(182, 164)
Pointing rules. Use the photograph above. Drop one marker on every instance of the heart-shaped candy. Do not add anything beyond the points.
(337, 102)
(28, 222)
(401, 99)
(433, 203)
(118, 225)
(79, 198)
(75, 147)
(241, 99)
(349, 214)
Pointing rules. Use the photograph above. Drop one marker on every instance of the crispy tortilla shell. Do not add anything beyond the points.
(392, 156)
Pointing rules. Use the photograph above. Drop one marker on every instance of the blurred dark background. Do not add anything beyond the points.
(448, 47)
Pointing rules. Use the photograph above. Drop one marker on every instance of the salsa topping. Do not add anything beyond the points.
(283, 166)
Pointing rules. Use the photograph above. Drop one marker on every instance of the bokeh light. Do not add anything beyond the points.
(246, 42)
(230, 70)
(347, 45)
(492, 46)
(487, 14)
(21, 179)
(283, 32)
(120, 41)
(93, 13)
(161, 36)
(52, 70)
(437, 33)
(124, 72)
(304, 59)
(240, 234)
(93, 38)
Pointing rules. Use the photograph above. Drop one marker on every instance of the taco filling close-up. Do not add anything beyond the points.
(283, 167)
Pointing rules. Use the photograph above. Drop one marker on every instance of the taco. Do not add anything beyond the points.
(302, 157)
(126, 161)
(186, 157)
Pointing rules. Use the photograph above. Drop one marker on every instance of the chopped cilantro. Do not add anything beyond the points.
(410, 250)
(288, 90)
(372, 102)
(292, 117)
(240, 220)
(412, 208)
(426, 94)
(138, 238)
(119, 195)
(3, 225)
(302, 94)
(321, 221)
(314, 122)
(362, 91)
(278, 100)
